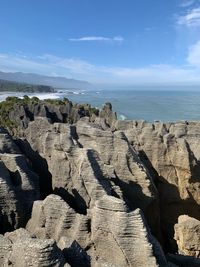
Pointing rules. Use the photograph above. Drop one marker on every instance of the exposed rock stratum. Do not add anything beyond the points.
(95, 191)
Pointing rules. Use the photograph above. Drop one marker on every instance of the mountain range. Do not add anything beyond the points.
(56, 82)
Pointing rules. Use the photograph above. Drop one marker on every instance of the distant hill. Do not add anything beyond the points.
(24, 87)
(32, 78)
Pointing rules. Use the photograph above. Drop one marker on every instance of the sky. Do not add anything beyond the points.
(103, 41)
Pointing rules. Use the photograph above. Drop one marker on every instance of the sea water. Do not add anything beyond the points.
(146, 105)
(149, 105)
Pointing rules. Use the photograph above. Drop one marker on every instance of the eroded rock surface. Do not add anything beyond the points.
(17, 113)
(87, 162)
(5, 251)
(102, 192)
(19, 185)
(187, 235)
(171, 153)
(113, 225)
(82, 238)
(19, 249)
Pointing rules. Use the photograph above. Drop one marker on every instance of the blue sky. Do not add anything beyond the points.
(103, 41)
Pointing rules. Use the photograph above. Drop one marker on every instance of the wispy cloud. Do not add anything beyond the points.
(155, 74)
(118, 39)
(194, 55)
(190, 19)
(79, 69)
(74, 65)
(44, 64)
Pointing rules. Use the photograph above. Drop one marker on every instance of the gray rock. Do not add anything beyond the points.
(105, 174)
(53, 218)
(20, 112)
(107, 114)
(114, 226)
(5, 251)
(19, 186)
(187, 235)
(27, 251)
(170, 151)
(87, 162)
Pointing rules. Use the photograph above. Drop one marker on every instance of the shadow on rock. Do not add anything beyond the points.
(39, 166)
(104, 182)
(74, 200)
(183, 261)
(171, 204)
(171, 207)
(76, 256)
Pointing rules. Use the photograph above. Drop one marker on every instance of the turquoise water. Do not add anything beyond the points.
(146, 105)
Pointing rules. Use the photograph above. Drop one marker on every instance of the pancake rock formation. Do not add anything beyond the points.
(19, 249)
(171, 153)
(19, 185)
(187, 235)
(79, 188)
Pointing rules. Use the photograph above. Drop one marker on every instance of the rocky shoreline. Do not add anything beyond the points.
(80, 188)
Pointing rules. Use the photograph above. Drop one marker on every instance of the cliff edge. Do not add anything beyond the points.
(80, 188)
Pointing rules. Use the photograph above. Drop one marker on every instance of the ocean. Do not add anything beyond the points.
(149, 105)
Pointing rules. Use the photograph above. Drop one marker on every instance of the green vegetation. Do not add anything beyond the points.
(14, 109)
(9, 105)
(56, 102)
(22, 87)
(89, 110)
(12, 103)
(5, 108)
(94, 111)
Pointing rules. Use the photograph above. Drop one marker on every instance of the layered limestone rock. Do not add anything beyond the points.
(53, 218)
(104, 187)
(187, 235)
(17, 113)
(83, 238)
(26, 110)
(112, 224)
(19, 186)
(108, 115)
(19, 249)
(171, 153)
(87, 162)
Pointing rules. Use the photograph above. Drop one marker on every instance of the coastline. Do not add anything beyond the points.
(146, 105)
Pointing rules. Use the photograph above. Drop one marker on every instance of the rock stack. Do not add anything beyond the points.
(98, 192)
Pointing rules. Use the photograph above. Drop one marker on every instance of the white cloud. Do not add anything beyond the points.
(71, 64)
(194, 55)
(44, 64)
(97, 39)
(190, 19)
(155, 74)
(79, 69)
